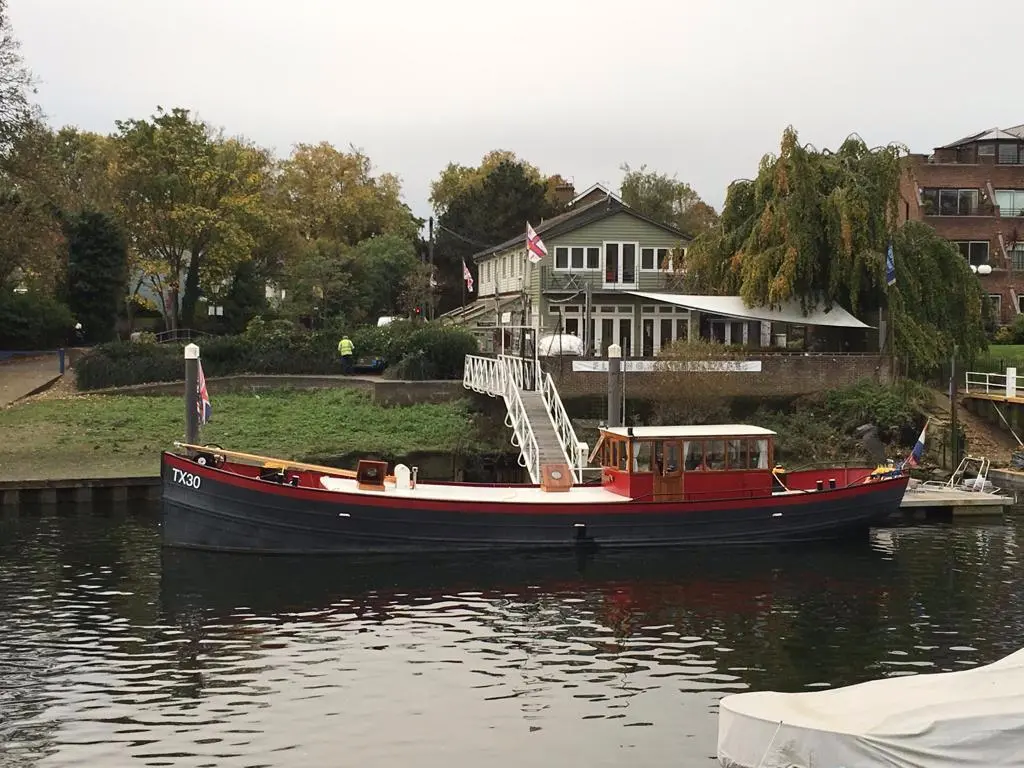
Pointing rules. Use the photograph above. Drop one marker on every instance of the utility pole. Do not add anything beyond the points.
(430, 251)
(953, 438)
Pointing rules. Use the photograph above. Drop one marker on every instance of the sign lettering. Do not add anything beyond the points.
(187, 479)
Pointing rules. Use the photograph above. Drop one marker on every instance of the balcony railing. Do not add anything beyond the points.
(570, 282)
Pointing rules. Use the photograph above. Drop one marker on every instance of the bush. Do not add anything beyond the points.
(280, 347)
(33, 321)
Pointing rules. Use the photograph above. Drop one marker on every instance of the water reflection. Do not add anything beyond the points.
(115, 652)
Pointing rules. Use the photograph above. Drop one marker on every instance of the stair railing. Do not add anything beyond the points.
(575, 452)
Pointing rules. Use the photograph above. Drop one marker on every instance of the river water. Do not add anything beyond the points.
(115, 653)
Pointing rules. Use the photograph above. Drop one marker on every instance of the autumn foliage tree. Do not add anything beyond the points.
(666, 200)
(189, 200)
(483, 207)
(814, 227)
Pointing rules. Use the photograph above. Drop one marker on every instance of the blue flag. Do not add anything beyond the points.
(890, 267)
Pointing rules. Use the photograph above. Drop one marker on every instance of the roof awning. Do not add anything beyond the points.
(734, 306)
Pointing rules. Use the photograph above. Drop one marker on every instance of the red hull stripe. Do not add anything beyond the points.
(559, 509)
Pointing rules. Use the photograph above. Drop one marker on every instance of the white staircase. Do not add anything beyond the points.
(541, 428)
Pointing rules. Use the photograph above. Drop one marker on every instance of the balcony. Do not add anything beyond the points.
(559, 281)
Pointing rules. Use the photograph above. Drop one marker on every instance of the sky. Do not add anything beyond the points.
(698, 90)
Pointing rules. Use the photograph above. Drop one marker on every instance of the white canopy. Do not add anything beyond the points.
(965, 719)
(734, 306)
(560, 344)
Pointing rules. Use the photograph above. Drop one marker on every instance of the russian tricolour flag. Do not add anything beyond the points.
(916, 455)
(205, 409)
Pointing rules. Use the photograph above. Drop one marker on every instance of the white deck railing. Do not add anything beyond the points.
(506, 376)
(998, 384)
(575, 451)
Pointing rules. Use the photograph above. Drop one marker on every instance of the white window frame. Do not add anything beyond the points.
(1016, 209)
(604, 264)
(569, 268)
(660, 265)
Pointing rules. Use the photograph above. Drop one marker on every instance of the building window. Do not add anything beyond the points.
(1008, 154)
(1017, 256)
(577, 258)
(995, 300)
(1020, 304)
(986, 150)
(975, 251)
(620, 264)
(950, 202)
(1010, 202)
(655, 259)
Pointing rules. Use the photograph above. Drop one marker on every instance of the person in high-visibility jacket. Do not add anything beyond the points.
(345, 349)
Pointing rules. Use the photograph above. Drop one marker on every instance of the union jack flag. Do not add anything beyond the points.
(204, 407)
(535, 248)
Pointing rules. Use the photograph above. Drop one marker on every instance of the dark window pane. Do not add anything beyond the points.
(1007, 153)
(561, 258)
(628, 263)
(693, 455)
(647, 258)
(577, 258)
(611, 263)
(593, 258)
(979, 253)
(948, 202)
(968, 202)
(736, 451)
(930, 201)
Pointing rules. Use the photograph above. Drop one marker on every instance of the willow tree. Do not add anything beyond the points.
(814, 226)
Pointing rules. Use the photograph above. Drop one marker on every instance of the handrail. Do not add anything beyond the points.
(573, 449)
(978, 382)
(519, 421)
(522, 371)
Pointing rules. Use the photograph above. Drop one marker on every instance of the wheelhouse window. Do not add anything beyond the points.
(758, 453)
(736, 454)
(693, 455)
(641, 456)
(714, 454)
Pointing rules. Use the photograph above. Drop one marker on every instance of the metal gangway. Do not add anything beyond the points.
(541, 428)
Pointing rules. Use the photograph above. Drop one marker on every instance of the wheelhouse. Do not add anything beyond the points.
(707, 461)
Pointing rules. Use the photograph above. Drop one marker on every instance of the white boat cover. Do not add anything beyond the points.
(559, 344)
(972, 717)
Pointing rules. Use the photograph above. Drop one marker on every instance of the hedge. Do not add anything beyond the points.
(279, 348)
(33, 321)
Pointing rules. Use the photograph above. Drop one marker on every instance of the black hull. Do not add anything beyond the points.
(230, 513)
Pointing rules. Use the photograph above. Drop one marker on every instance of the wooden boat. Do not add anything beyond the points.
(659, 487)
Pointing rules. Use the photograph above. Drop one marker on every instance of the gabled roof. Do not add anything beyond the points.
(577, 218)
(591, 190)
(1016, 133)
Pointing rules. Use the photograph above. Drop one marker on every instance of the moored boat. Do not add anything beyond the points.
(659, 487)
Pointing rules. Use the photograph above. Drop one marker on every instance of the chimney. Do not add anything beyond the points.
(565, 192)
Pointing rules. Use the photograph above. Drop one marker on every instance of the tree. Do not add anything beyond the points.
(486, 214)
(320, 284)
(97, 272)
(381, 266)
(666, 200)
(814, 227)
(335, 195)
(457, 180)
(31, 243)
(17, 112)
(190, 201)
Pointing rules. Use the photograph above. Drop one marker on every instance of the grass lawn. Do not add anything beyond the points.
(113, 436)
(1002, 356)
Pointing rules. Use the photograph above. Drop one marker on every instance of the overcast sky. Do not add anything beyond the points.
(697, 89)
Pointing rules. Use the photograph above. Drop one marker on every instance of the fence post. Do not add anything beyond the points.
(60, 355)
(1011, 382)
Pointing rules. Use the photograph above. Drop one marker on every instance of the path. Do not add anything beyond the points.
(983, 439)
(20, 376)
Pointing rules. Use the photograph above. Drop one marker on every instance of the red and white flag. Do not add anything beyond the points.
(467, 276)
(535, 248)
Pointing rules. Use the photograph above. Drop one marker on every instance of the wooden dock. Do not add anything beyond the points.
(955, 502)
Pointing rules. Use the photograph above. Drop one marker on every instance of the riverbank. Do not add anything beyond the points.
(100, 436)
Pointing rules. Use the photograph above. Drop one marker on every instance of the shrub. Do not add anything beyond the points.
(279, 347)
(33, 321)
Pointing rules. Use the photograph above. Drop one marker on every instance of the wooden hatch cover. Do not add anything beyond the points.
(555, 477)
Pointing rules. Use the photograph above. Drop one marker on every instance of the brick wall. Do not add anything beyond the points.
(780, 376)
(1003, 281)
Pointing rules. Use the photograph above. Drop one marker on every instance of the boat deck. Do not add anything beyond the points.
(578, 494)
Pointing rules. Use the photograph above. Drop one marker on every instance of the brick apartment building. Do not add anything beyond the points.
(972, 192)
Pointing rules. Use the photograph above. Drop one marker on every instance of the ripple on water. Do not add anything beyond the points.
(112, 653)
